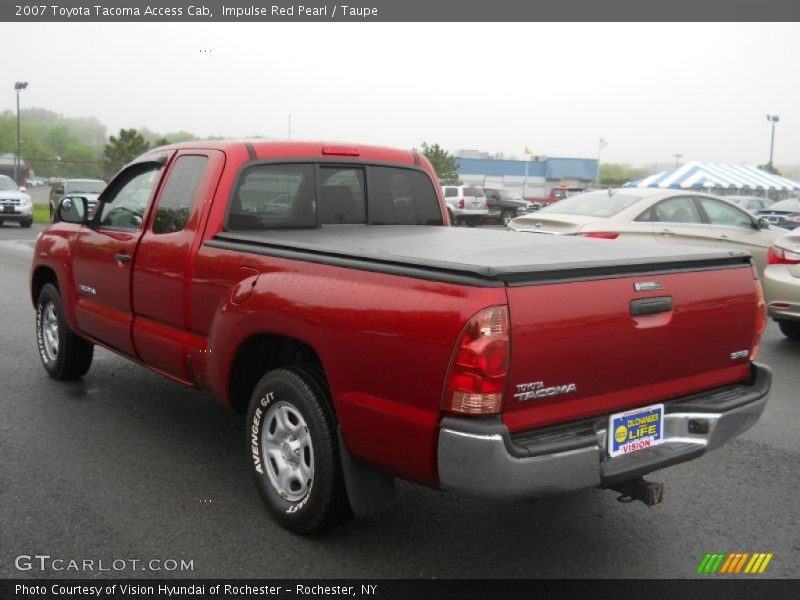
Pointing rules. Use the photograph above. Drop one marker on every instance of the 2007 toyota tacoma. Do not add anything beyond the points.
(319, 289)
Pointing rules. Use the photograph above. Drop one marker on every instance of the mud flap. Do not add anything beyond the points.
(369, 491)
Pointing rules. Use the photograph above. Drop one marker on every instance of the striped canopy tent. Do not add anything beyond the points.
(698, 175)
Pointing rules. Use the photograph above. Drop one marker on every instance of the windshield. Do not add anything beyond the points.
(7, 184)
(592, 204)
(792, 204)
(85, 187)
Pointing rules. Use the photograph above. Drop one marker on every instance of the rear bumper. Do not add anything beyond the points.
(781, 287)
(481, 457)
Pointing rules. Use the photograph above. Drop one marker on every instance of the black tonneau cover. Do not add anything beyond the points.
(474, 256)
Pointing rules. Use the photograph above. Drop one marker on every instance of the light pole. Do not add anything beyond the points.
(18, 87)
(772, 119)
(677, 160)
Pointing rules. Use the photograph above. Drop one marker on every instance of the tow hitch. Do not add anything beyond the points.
(649, 492)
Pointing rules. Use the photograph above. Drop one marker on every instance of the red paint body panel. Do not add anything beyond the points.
(385, 341)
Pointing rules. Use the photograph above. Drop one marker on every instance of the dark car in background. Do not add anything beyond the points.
(89, 188)
(784, 213)
(505, 204)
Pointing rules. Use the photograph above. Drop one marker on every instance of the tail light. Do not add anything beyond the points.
(461, 203)
(476, 380)
(781, 256)
(761, 320)
(601, 235)
(796, 219)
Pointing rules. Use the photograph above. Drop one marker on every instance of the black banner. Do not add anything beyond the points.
(707, 589)
(395, 10)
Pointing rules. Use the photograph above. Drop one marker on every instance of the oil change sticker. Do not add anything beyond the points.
(635, 429)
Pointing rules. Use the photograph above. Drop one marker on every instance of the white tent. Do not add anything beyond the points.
(698, 175)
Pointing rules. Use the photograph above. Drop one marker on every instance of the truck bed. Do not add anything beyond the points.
(473, 257)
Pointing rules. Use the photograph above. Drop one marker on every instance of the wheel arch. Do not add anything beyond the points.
(259, 354)
(41, 276)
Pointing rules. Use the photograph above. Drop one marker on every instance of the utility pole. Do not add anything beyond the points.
(677, 160)
(772, 120)
(290, 125)
(18, 87)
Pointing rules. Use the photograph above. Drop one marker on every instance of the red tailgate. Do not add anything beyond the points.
(577, 351)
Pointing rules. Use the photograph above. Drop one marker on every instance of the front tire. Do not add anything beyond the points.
(65, 355)
(791, 329)
(506, 216)
(26, 223)
(293, 448)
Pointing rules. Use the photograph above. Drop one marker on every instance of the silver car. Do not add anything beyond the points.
(655, 215)
(465, 203)
(782, 284)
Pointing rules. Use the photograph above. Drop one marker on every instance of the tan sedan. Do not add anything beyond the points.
(782, 284)
(663, 216)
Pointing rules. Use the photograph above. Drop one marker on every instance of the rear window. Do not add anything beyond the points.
(473, 192)
(450, 192)
(85, 187)
(592, 204)
(289, 196)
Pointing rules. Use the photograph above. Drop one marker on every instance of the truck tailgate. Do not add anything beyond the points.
(577, 350)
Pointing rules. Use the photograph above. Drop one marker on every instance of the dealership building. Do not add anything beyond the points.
(532, 178)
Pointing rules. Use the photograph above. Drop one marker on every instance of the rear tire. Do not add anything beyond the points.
(791, 329)
(506, 216)
(293, 448)
(65, 355)
(474, 221)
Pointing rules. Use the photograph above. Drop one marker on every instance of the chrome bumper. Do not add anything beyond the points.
(480, 457)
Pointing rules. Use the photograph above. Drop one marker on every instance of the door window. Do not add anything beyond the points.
(125, 207)
(720, 213)
(673, 210)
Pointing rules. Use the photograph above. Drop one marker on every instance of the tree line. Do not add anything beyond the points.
(59, 146)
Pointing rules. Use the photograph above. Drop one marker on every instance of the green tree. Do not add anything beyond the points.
(443, 162)
(768, 168)
(619, 174)
(121, 150)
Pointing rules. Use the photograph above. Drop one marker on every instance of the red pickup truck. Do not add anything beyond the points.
(319, 289)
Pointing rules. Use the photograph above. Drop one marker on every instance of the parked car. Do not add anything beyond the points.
(366, 340)
(465, 204)
(655, 215)
(784, 213)
(15, 204)
(89, 188)
(751, 203)
(782, 284)
(556, 195)
(505, 204)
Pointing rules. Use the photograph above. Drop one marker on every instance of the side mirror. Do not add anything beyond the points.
(73, 209)
(762, 223)
(22, 188)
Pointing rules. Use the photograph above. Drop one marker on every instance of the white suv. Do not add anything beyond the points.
(465, 204)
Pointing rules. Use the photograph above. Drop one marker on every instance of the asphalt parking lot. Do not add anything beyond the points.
(128, 465)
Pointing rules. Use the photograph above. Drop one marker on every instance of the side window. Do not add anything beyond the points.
(402, 197)
(673, 210)
(720, 213)
(124, 209)
(273, 197)
(450, 192)
(178, 195)
(341, 199)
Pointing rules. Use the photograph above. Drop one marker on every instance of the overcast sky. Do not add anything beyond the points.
(651, 91)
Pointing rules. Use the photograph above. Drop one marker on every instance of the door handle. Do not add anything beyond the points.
(651, 306)
(123, 258)
(666, 231)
